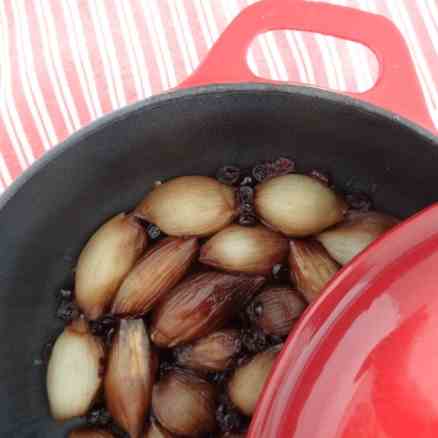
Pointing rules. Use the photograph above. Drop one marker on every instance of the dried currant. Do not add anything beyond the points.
(269, 169)
(247, 180)
(229, 419)
(321, 176)
(67, 311)
(247, 220)
(154, 233)
(254, 340)
(219, 378)
(228, 175)
(98, 416)
(283, 166)
(262, 171)
(275, 340)
(164, 368)
(359, 201)
(247, 215)
(246, 196)
(103, 326)
(280, 273)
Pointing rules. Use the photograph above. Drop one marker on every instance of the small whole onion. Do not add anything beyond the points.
(189, 206)
(74, 371)
(311, 267)
(276, 309)
(185, 404)
(352, 236)
(214, 352)
(105, 261)
(251, 250)
(200, 305)
(129, 376)
(158, 271)
(246, 384)
(298, 205)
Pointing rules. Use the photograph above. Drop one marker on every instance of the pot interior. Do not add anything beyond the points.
(109, 166)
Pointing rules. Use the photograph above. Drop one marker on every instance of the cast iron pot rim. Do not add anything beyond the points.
(155, 102)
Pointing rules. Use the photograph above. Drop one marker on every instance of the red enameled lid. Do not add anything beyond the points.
(363, 361)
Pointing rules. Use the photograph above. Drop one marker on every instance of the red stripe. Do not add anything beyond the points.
(195, 26)
(316, 59)
(8, 152)
(146, 45)
(68, 63)
(286, 54)
(17, 89)
(345, 65)
(426, 43)
(381, 8)
(121, 52)
(95, 55)
(172, 41)
(41, 71)
(219, 16)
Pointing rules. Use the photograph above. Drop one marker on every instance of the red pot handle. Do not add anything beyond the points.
(397, 88)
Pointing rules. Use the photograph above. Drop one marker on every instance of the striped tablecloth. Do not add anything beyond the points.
(63, 63)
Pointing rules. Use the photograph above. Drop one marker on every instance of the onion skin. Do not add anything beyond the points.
(246, 385)
(311, 267)
(90, 433)
(298, 205)
(189, 206)
(105, 261)
(214, 352)
(250, 250)
(129, 377)
(352, 236)
(159, 270)
(275, 310)
(73, 374)
(185, 404)
(200, 305)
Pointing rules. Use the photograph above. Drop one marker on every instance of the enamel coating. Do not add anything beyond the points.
(363, 361)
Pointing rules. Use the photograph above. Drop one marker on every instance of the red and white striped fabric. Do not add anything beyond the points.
(63, 63)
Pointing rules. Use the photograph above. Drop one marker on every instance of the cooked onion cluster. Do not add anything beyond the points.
(179, 308)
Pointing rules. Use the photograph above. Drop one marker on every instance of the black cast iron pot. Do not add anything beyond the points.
(50, 211)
